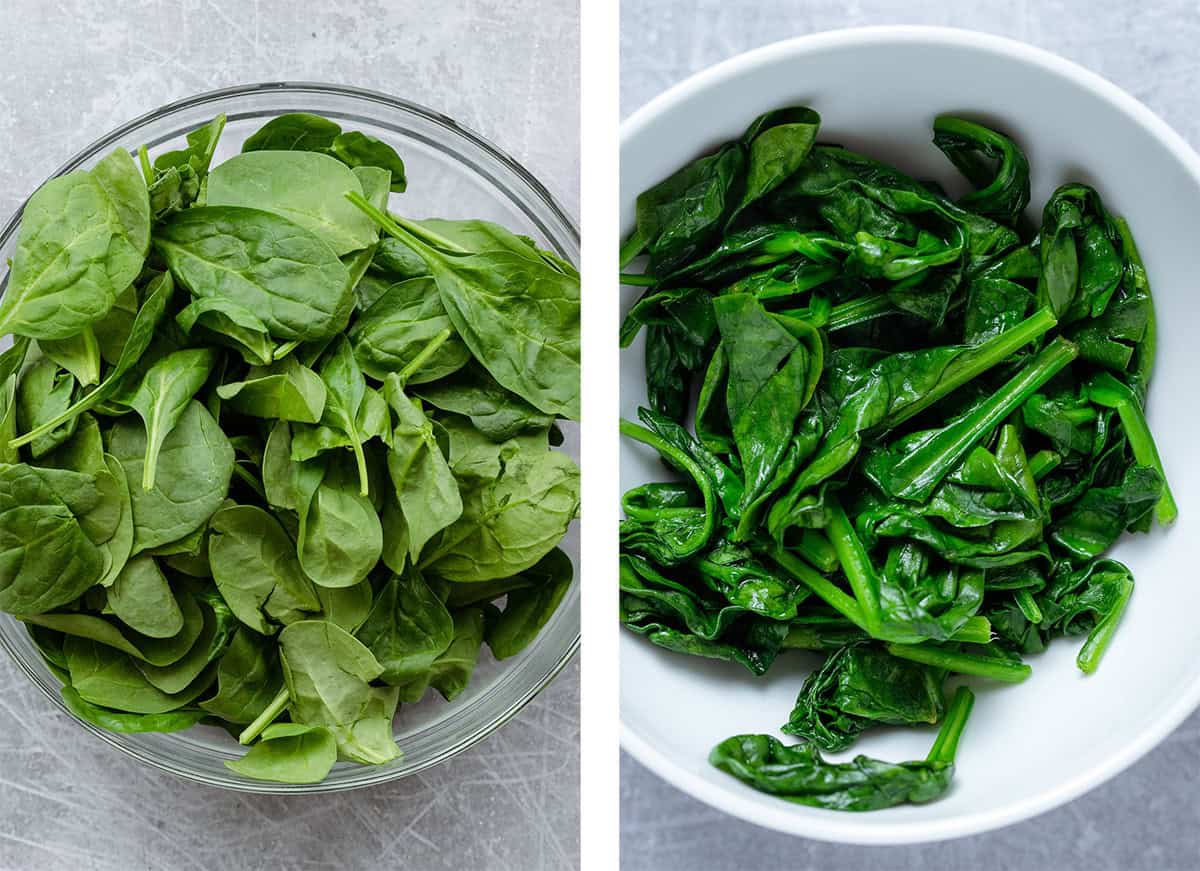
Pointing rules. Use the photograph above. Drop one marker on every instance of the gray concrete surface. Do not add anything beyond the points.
(72, 69)
(1144, 820)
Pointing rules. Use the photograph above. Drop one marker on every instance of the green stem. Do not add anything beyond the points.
(406, 231)
(269, 715)
(283, 350)
(633, 280)
(815, 548)
(144, 161)
(945, 745)
(979, 360)
(857, 565)
(1029, 607)
(915, 475)
(805, 636)
(1106, 390)
(858, 311)
(1100, 636)
(962, 663)
(977, 630)
(1043, 463)
(431, 347)
(823, 587)
(631, 248)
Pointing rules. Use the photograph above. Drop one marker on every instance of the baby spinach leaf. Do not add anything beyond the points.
(518, 314)
(296, 131)
(164, 394)
(141, 598)
(407, 630)
(227, 323)
(248, 678)
(125, 723)
(289, 753)
(528, 609)
(304, 187)
(287, 390)
(398, 325)
(47, 558)
(255, 567)
(426, 490)
(451, 672)
(328, 675)
(494, 411)
(264, 263)
(195, 465)
(44, 393)
(509, 524)
(340, 536)
(140, 335)
(75, 253)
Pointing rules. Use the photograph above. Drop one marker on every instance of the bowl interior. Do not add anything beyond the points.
(452, 173)
(1035, 745)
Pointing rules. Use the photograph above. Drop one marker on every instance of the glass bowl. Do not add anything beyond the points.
(452, 173)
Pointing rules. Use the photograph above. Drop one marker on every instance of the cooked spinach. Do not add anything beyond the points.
(264, 469)
(918, 426)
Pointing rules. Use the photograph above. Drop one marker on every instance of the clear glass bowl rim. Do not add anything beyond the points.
(543, 198)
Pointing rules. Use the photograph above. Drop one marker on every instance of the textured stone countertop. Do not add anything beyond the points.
(1147, 818)
(73, 69)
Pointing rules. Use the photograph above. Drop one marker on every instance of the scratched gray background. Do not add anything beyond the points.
(1147, 819)
(72, 69)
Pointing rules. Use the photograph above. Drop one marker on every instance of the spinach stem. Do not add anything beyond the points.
(856, 563)
(424, 239)
(144, 161)
(915, 475)
(823, 587)
(979, 360)
(634, 280)
(1098, 639)
(962, 663)
(631, 248)
(269, 715)
(1106, 390)
(945, 745)
(1029, 606)
(859, 311)
(431, 347)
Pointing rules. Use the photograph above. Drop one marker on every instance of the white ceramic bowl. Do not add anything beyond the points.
(1028, 747)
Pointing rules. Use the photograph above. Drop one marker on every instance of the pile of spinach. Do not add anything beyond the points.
(271, 458)
(906, 429)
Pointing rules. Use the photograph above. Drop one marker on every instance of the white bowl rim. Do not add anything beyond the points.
(841, 827)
